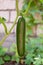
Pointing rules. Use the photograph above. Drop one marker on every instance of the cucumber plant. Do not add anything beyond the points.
(20, 37)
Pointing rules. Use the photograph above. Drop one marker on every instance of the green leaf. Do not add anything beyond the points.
(41, 1)
(5, 50)
(29, 59)
(2, 19)
(13, 48)
(1, 61)
(7, 58)
(15, 58)
(2, 52)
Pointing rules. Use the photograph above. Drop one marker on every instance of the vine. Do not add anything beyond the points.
(2, 41)
(27, 8)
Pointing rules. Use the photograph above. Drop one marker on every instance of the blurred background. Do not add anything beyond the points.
(34, 30)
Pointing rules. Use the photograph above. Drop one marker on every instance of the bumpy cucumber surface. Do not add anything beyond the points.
(20, 36)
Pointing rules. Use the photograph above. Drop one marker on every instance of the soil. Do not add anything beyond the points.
(13, 63)
(10, 62)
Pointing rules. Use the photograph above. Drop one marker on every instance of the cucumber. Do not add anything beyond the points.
(20, 36)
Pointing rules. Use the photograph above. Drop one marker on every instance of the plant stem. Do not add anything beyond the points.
(27, 8)
(17, 9)
(2, 41)
(21, 60)
(13, 25)
(5, 27)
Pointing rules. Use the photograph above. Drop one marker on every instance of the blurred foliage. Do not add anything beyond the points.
(13, 48)
(2, 53)
(1, 61)
(34, 46)
(34, 51)
(35, 5)
(7, 58)
(34, 15)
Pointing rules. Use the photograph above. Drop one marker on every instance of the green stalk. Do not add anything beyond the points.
(17, 9)
(28, 8)
(5, 27)
(2, 41)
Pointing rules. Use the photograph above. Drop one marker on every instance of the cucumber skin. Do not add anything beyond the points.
(20, 36)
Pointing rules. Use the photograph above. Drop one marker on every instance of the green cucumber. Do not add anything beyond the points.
(20, 36)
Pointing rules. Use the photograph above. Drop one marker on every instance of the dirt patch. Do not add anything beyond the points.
(13, 63)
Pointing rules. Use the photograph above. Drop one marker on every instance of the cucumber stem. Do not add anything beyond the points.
(17, 9)
(21, 60)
